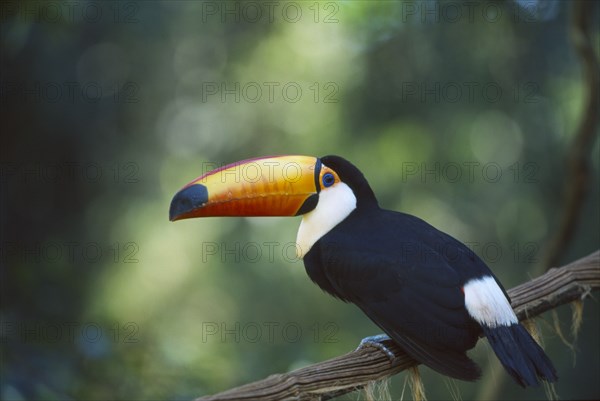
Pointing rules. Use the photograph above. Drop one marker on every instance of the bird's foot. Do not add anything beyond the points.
(377, 342)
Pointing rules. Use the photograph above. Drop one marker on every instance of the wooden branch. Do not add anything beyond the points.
(346, 373)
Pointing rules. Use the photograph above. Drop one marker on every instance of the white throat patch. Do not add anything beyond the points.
(487, 304)
(335, 204)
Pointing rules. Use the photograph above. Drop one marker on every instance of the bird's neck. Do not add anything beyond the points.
(335, 204)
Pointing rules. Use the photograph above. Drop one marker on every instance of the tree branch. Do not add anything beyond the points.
(346, 373)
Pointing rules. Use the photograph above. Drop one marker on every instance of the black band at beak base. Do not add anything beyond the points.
(309, 204)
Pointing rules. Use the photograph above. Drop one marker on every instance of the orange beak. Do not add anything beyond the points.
(268, 186)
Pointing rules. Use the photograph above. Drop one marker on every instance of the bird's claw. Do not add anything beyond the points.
(377, 342)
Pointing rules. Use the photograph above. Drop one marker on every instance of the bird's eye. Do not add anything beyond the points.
(328, 180)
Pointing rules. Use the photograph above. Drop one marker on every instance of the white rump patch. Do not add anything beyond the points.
(335, 204)
(487, 304)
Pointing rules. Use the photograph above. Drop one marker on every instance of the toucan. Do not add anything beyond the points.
(427, 291)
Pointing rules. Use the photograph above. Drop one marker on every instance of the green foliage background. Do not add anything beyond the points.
(460, 114)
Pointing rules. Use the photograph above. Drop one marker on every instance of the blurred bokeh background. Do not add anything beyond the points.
(460, 113)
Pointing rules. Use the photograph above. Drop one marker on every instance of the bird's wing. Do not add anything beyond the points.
(418, 301)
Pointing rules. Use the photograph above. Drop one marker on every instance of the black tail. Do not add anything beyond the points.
(520, 355)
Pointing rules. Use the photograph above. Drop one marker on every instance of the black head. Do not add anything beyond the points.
(352, 177)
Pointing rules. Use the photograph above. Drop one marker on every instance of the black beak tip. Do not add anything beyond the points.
(186, 200)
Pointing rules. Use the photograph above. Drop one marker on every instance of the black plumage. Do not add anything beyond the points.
(408, 277)
(402, 281)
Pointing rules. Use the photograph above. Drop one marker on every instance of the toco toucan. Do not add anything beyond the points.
(426, 290)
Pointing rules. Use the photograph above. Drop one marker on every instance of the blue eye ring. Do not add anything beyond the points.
(328, 180)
